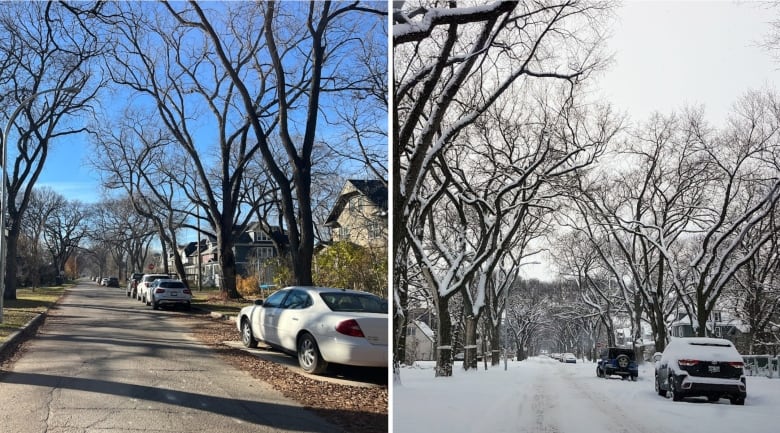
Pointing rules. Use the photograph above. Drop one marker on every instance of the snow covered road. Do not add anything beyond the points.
(543, 395)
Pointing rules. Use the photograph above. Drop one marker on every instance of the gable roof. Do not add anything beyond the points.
(374, 190)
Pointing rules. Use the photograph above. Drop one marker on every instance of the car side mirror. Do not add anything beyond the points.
(259, 302)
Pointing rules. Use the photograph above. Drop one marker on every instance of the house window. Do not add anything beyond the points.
(716, 316)
(374, 230)
(265, 252)
(353, 204)
(343, 233)
(260, 236)
(410, 331)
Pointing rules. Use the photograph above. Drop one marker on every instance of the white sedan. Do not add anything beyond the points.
(320, 326)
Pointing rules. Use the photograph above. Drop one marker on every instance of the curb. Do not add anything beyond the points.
(18, 336)
(220, 316)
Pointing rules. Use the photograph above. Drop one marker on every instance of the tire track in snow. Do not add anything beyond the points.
(619, 421)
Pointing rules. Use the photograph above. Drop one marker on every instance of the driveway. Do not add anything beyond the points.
(105, 363)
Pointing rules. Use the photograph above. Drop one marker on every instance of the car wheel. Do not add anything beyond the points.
(623, 361)
(155, 305)
(309, 356)
(634, 378)
(246, 334)
(598, 372)
(658, 389)
(739, 401)
(713, 398)
(672, 393)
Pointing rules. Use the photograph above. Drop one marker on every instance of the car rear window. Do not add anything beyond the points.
(353, 302)
(172, 284)
(710, 344)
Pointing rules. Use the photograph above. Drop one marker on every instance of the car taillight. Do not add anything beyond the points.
(159, 290)
(350, 327)
(187, 291)
(687, 362)
(737, 364)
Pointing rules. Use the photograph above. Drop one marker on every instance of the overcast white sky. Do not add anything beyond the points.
(669, 54)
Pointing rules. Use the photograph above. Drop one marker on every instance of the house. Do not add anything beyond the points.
(360, 214)
(420, 342)
(720, 325)
(250, 250)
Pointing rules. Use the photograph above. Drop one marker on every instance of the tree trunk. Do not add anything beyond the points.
(227, 263)
(470, 343)
(495, 344)
(400, 315)
(11, 265)
(302, 259)
(701, 314)
(443, 339)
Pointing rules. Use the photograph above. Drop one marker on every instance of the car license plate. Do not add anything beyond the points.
(714, 368)
(177, 294)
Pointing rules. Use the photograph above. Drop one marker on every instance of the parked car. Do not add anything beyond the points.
(569, 358)
(168, 292)
(104, 281)
(132, 284)
(701, 367)
(112, 282)
(617, 361)
(320, 326)
(142, 293)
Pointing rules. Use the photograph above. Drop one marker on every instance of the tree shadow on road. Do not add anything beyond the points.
(269, 414)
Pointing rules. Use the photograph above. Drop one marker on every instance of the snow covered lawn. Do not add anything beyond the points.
(543, 395)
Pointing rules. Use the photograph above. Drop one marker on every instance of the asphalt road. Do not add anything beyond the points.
(105, 363)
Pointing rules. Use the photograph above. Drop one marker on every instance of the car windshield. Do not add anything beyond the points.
(357, 302)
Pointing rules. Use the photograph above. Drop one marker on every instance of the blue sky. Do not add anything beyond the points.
(68, 171)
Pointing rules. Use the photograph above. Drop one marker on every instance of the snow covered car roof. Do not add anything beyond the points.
(700, 348)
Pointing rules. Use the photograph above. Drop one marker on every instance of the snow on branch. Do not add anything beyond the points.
(408, 30)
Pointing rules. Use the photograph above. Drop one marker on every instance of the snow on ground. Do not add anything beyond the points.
(543, 395)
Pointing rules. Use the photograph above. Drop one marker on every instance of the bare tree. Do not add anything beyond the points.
(65, 229)
(443, 58)
(307, 51)
(47, 50)
(755, 294)
(741, 193)
(43, 203)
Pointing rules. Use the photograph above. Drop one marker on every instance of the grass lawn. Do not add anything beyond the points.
(28, 304)
(211, 300)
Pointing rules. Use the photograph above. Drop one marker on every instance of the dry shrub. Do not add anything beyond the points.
(248, 286)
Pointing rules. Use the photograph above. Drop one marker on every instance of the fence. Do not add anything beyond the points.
(762, 365)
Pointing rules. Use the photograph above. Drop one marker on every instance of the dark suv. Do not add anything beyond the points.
(617, 361)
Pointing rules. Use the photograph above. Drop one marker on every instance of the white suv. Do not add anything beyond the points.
(142, 290)
(170, 292)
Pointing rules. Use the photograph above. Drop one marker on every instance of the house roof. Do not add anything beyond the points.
(374, 190)
(425, 329)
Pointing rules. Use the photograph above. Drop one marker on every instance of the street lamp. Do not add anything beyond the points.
(4, 205)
